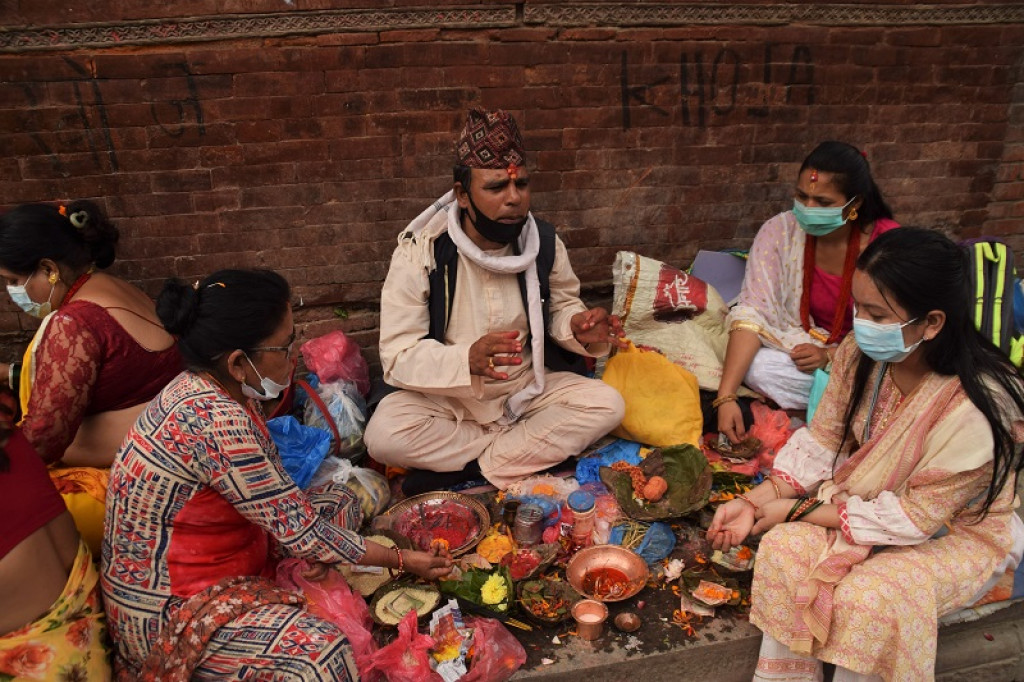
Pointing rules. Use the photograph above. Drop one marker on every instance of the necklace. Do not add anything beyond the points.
(850, 262)
(82, 279)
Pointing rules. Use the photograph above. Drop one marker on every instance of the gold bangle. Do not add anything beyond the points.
(778, 493)
(718, 402)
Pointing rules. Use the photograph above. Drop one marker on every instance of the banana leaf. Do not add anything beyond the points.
(684, 468)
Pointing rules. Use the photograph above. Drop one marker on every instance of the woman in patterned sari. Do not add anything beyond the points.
(200, 508)
(896, 504)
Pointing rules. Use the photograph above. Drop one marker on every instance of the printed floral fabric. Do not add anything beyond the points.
(67, 644)
(845, 597)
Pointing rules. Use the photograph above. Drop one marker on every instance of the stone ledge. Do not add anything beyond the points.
(726, 651)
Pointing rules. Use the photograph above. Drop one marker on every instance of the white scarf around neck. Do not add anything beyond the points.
(526, 261)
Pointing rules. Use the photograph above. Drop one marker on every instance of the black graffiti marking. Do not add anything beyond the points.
(762, 111)
(101, 110)
(723, 54)
(637, 93)
(191, 102)
(801, 61)
(709, 88)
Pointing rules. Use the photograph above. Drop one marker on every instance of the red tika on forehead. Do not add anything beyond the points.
(491, 140)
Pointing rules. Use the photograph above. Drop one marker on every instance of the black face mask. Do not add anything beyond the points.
(493, 230)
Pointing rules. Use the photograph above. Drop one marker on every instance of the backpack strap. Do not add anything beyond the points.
(443, 277)
(991, 275)
(442, 281)
(556, 358)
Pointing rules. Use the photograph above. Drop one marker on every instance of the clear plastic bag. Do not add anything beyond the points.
(348, 411)
(335, 357)
(334, 601)
(369, 486)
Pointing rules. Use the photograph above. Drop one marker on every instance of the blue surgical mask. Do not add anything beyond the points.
(882, 342)
(271, 389)
(22, 300)
(819, 221)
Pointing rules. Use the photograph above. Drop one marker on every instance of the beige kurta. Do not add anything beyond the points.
(446, 416)
(868, 597)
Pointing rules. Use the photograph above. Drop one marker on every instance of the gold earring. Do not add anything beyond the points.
(853, 215)
(53, 278)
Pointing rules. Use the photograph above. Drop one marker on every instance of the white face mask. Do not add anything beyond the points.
(24, 301)
(271, 389)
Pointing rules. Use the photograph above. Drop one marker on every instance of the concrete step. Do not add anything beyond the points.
(725, 650)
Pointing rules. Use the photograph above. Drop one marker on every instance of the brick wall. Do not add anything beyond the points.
(303, 139)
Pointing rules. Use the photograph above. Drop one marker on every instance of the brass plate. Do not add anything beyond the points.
(423, 502)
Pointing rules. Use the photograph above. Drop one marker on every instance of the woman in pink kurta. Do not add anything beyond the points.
(795, 305)
(895, 505)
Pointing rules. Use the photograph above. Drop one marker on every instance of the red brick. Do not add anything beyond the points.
(256, 108)
(418, 36)
(277, 84)
(181, 181)
(281, 195)
(526, 35)
(588, 33)
(190, 134)
(216, 200)
(348, 39)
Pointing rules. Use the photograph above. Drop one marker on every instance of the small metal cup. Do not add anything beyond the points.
(508, 513)
(590, 617)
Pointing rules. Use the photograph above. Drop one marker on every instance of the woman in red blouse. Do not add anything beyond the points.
(98, 357)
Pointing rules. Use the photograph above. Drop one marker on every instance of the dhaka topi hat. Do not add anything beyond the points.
(490, 139)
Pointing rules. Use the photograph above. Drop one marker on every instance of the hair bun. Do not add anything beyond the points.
(177, 306)
(96, 230)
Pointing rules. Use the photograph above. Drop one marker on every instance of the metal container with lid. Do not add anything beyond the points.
(529, 526)
(583, 511)
(580, 501)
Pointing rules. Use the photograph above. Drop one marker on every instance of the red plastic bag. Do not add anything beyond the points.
(335, 357)
(772, 428)
(497, 655)
(333, 600)
(407, 659)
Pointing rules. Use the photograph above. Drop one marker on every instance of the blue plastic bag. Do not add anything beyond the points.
(658, 541)
(302, 448)
(620, 450)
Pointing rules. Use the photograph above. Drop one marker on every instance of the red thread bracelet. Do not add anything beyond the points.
(748, 501)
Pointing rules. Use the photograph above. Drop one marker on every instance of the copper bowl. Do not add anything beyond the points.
(599, 557)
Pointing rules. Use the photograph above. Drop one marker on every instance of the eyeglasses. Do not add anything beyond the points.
(289, 349)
